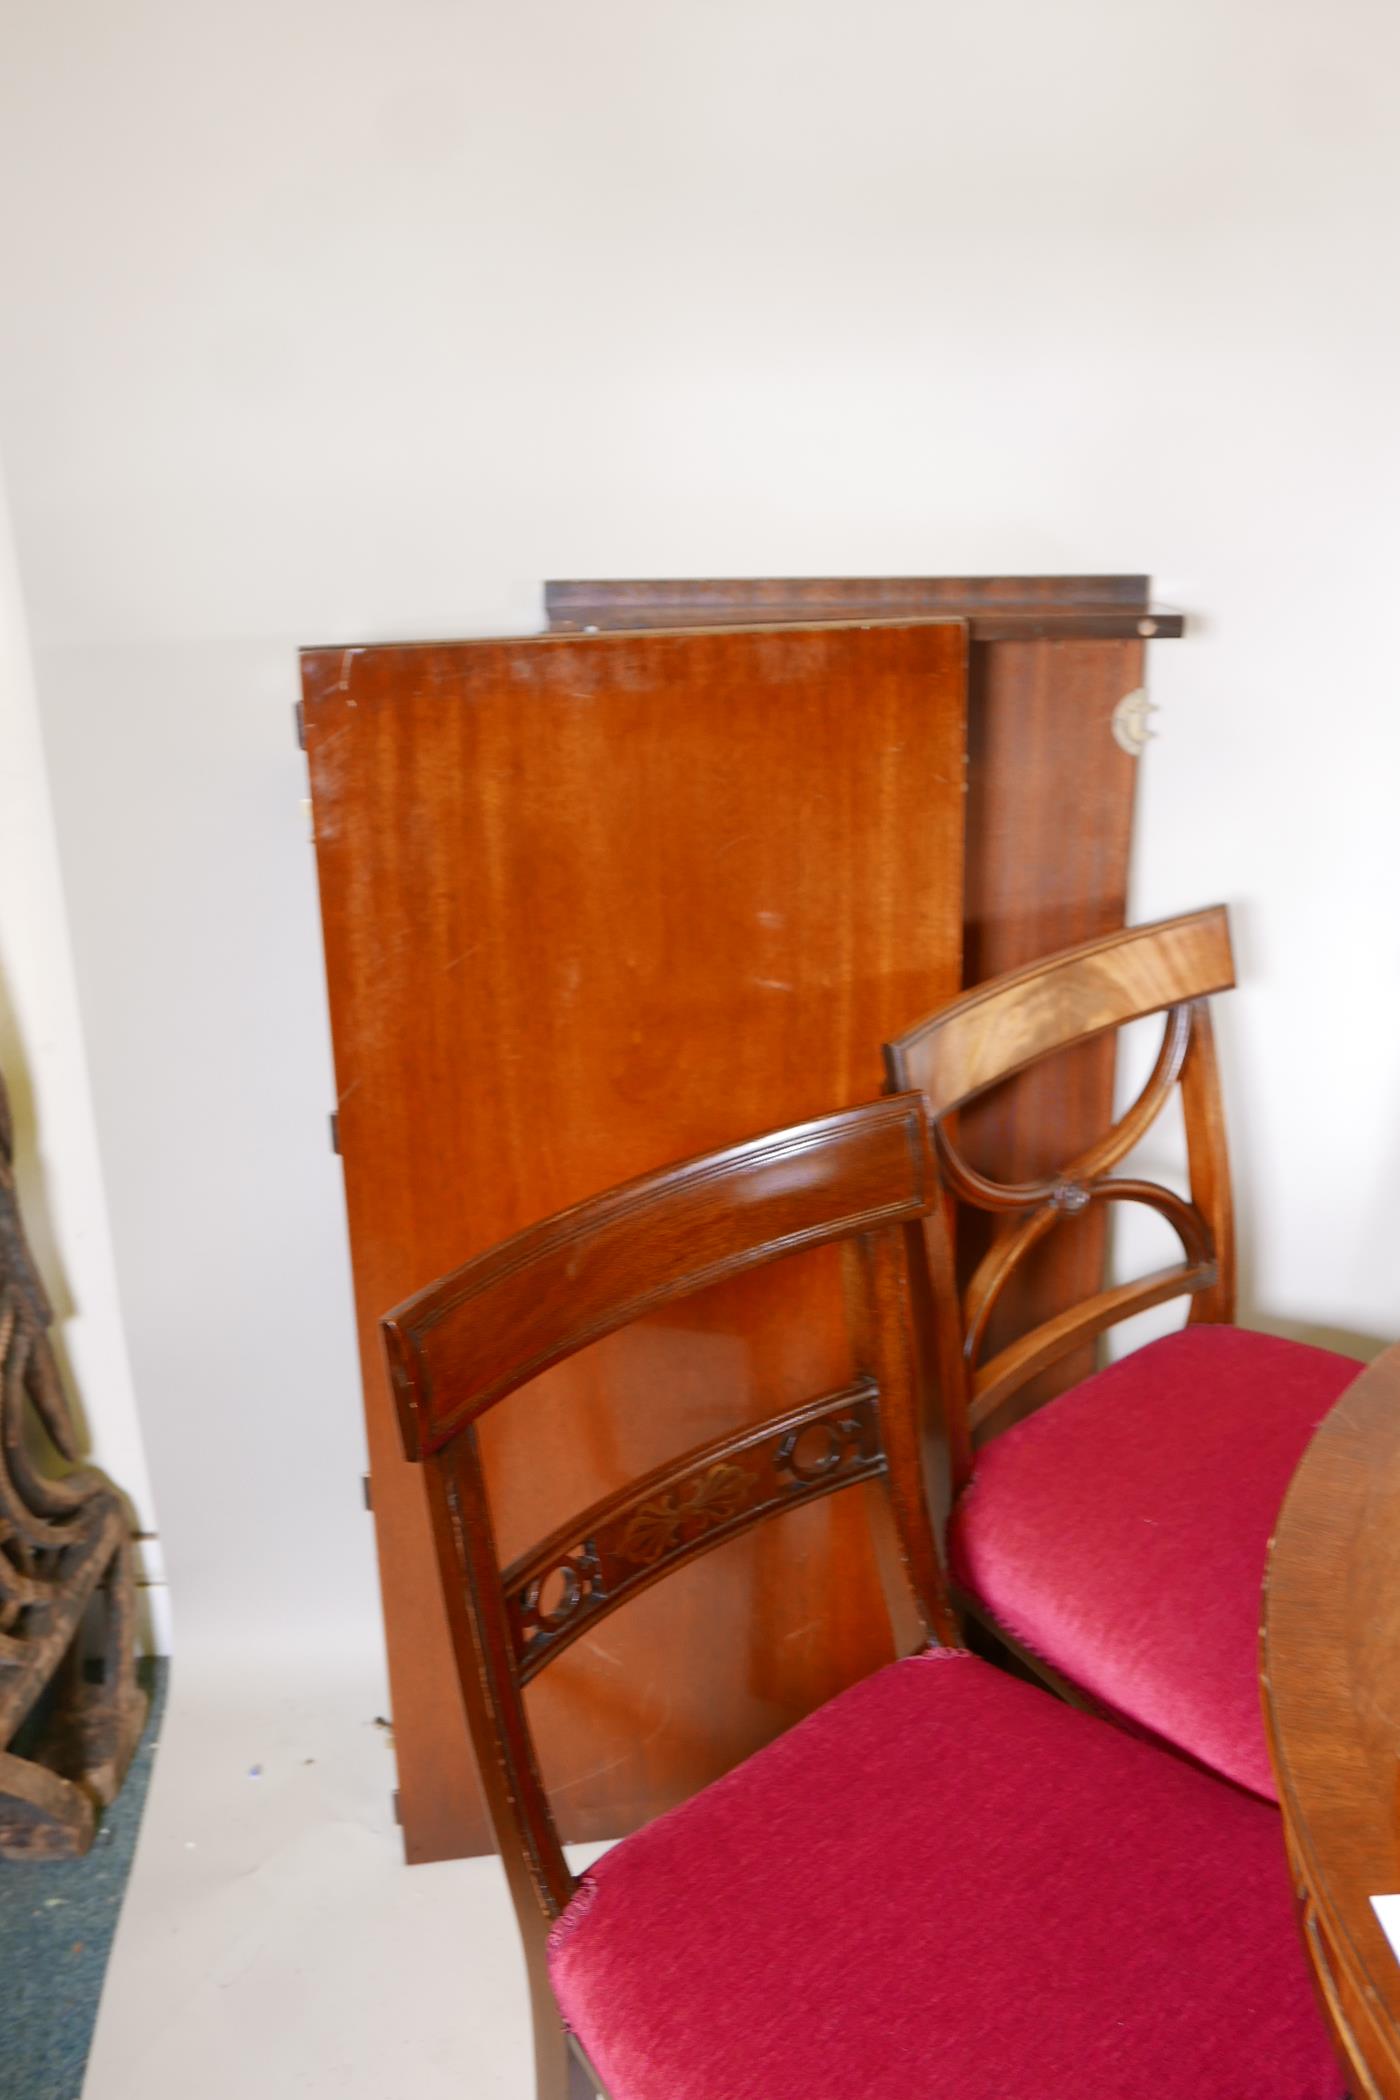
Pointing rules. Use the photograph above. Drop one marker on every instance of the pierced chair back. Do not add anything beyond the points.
(998, 1030)
(456, 1350)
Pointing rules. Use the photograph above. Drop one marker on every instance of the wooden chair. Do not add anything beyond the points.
(1114, 1536)
(942, 1881)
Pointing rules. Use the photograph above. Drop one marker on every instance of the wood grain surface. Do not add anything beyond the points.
(1330, 1676)
(592, 904)
(1049, 824)
(996, 608)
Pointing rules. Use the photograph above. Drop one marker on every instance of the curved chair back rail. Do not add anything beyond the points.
(466, 1341)
(998, 1030)
(864, 1178)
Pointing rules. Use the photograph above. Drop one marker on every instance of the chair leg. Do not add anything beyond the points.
(582, 2084)
(553, 2066)
(560, 2073)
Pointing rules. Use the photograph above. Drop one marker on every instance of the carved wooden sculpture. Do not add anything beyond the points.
(67, 1727)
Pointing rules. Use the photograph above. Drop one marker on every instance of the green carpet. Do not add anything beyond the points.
(56, 1925)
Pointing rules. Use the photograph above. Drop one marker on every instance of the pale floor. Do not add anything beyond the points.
(274, 1943)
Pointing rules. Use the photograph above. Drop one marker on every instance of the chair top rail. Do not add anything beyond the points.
(1012, 1021)
(469, 1339)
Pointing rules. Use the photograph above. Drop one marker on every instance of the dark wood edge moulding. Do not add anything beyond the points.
(996, 608)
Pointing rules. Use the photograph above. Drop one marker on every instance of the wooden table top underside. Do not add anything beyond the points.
(1330, 1675)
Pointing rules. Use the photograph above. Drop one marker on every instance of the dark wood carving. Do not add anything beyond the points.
(592, 904)
(679, 1511)
(66, 1732)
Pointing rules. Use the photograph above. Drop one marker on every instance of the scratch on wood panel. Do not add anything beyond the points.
(611, 1764)
(347, 658)
(606, 1655)
(798, 1632)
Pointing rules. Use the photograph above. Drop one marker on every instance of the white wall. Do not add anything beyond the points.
(58, 1168)
(335, 322)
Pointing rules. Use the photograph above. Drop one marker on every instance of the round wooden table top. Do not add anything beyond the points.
(1330, 1675)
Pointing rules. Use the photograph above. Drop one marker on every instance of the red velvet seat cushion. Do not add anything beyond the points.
(1121, 1531)
(945, 1885)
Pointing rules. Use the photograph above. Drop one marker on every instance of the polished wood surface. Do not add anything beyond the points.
(591, 904)
(1049, 824)
(459, 1348)
(1330, 1677)
(1031, 1013)
(1049, 832)
(986, 1038)
(997, 608)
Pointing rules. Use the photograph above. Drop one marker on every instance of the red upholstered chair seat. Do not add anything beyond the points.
(946, 1883)
(1120, 1533)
